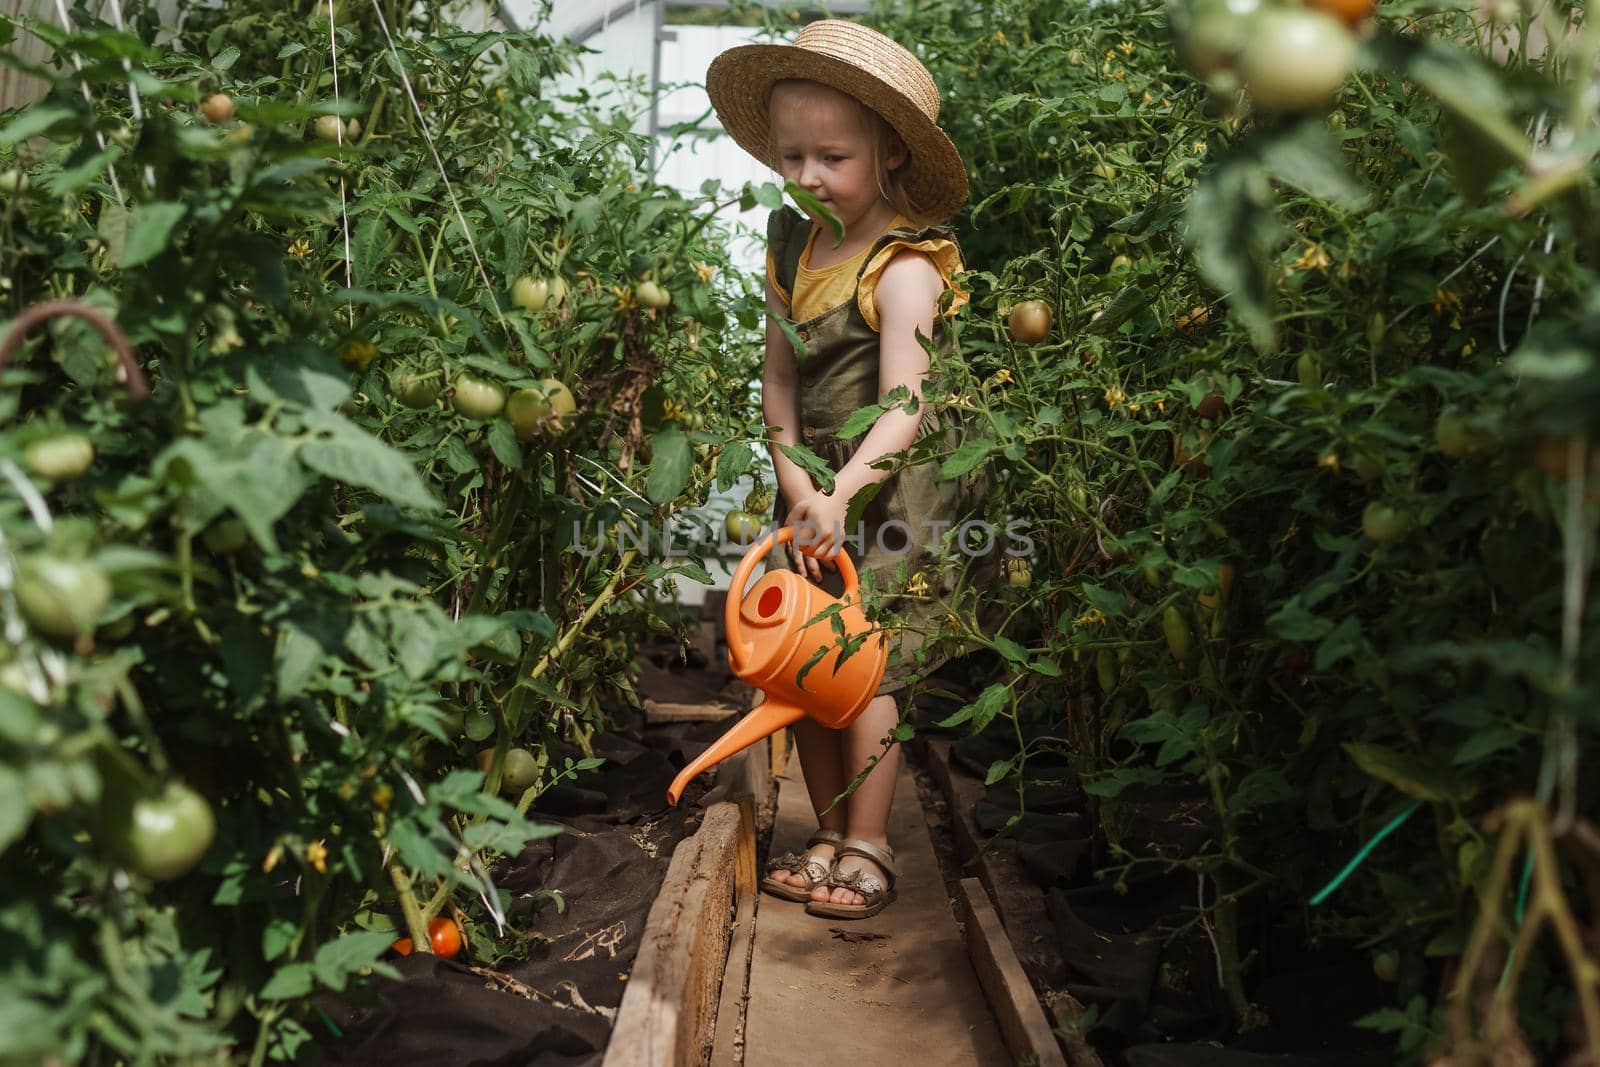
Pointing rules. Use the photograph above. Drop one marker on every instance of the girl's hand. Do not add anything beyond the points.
(819, 533)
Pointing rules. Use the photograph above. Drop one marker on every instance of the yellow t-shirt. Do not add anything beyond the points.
(823, 289)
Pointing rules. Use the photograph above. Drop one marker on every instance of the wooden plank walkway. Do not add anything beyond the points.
(907, 996)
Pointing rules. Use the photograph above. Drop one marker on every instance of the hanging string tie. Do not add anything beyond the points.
(461, 217)
(344, 208)
(100, 138)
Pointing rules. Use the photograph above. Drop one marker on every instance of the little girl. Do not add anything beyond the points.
(851, 117)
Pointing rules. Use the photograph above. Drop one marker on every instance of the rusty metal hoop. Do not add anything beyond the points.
(128, 371)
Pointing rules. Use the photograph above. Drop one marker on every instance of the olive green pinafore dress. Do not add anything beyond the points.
(902, 528)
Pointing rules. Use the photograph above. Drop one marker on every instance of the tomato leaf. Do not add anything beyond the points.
(290, 981)
(346, 453)
(1230, 226)
(1405, 773)
(1306, 156)
(966, 457)
(736, 458)
(150, 232)
(815, 208)
(672, 457)
(15, 811)
(34, 121)
(812, 464)
(347, 954)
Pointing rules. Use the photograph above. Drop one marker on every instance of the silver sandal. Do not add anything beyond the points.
(879, 895)
(814, 871)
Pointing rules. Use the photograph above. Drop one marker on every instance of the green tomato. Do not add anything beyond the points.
(13, 181)
(328, 128)
(61, 598)
(1019, 573)
(477, 399)
(541, 408)
(60, 458)
(1382, 522)
(478, 724)
(1217, 31)
(1308, 371)
(159, 835)
(225, 536)
(652, 294)
(530, 294)
(519, 772)
(416, 391)
(1296, 60)
(1176, 630)
(1456, 435)
(1106, 670)
(742, 527)
(758, 501)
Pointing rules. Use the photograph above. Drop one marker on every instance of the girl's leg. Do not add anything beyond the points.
(821, 752)
(868, 815)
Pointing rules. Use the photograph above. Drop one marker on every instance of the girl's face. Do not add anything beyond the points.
(826, 146)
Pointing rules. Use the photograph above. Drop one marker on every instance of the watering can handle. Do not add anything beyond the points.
(738, 648)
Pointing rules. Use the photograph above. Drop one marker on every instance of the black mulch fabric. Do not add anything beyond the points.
(1132, 948)
(554, 1008)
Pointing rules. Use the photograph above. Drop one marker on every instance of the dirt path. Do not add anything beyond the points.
(908, 996)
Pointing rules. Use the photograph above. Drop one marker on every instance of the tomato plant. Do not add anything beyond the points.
(356, 588)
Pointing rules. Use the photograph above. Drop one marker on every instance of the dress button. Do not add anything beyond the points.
(804, 335)
(809, 433)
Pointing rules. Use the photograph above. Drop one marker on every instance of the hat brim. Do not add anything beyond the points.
(740, 79)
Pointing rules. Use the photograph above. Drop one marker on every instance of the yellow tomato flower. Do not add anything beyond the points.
(300, 248)
(705, 271)
(1115, 396)
(1312, 257)
(317, 856)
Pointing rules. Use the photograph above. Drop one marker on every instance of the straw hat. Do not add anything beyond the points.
(866, 65)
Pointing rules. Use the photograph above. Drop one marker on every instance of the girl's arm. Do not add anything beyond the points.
(780, 407)
(908, 298)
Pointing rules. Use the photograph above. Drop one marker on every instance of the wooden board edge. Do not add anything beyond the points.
(1016, 1008)
(667, 1017)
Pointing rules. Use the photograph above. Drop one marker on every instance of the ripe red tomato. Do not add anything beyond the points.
(444, 938)
(1029, 321)
(1351, 12)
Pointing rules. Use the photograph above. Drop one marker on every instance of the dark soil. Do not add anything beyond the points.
(553, 1004)
(1126, 943)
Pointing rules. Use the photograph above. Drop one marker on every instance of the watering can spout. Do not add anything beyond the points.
(764, 720)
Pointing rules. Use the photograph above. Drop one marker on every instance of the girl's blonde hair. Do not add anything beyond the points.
(891, 183)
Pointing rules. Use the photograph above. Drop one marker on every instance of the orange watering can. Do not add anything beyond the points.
(769, 641)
